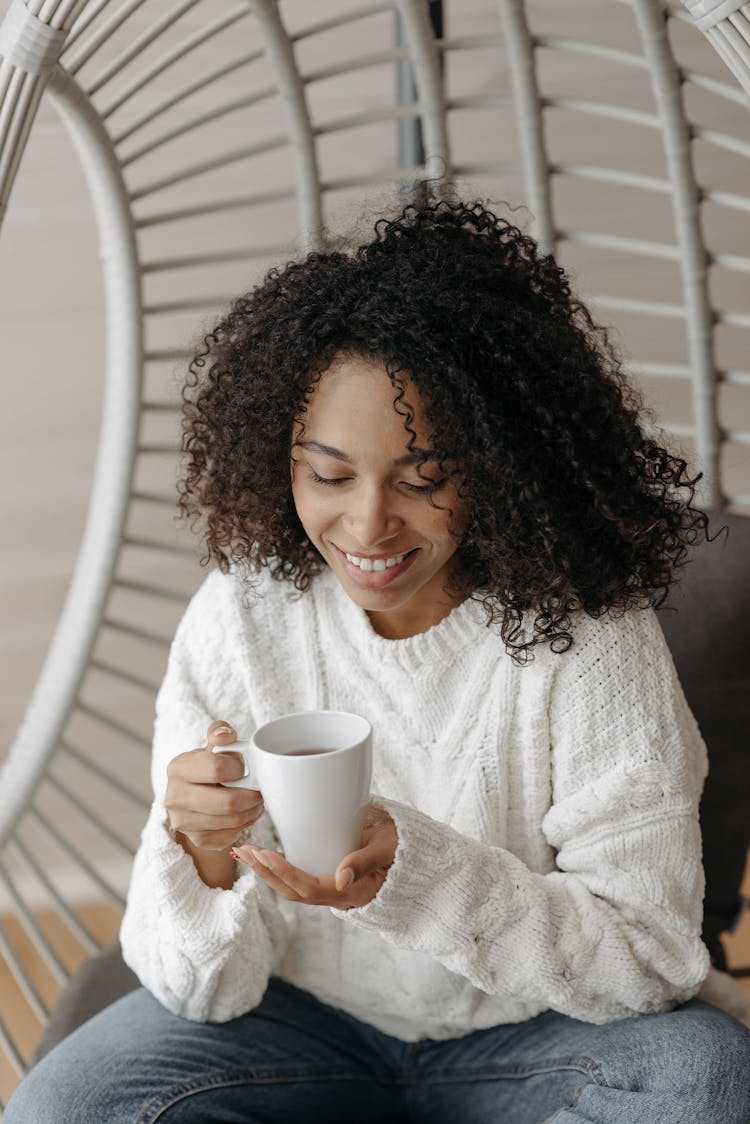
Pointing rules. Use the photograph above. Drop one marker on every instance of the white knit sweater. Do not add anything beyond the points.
(547, 815)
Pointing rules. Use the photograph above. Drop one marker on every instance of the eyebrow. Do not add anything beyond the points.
(414, 457)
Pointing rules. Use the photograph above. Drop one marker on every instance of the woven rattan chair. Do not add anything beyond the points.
(216, 138)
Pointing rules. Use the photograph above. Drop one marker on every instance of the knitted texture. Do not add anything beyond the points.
(547, 815)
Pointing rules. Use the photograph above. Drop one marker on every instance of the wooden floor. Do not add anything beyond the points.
(102, 921)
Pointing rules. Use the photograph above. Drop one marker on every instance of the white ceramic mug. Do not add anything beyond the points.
(317, 802)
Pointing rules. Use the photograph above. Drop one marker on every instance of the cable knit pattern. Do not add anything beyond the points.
(549, 851)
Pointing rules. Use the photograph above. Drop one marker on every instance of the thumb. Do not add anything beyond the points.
(220, 733)
(344, 877)
(377, 855)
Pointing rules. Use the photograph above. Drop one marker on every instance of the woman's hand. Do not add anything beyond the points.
(205, 813)
(368, 868)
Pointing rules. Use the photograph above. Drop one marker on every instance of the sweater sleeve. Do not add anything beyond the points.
(205, 953)
(614, 930)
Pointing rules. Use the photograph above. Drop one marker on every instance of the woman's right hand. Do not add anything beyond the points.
(208, 815)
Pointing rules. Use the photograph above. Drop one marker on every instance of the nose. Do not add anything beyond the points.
(372, 517)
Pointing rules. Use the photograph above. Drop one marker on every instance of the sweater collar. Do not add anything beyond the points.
(454, 632)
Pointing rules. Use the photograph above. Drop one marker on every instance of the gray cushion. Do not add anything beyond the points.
(708, 632)
(98, 983)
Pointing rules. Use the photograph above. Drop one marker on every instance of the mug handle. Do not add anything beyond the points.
(243, 751)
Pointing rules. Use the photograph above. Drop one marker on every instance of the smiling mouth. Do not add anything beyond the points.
(375, 573)
(376, 564)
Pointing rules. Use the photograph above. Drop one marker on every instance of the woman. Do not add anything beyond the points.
(426, 485)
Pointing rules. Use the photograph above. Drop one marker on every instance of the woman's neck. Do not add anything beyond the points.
(410, 619)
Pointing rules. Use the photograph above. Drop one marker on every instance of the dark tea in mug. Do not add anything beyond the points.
(306, 752)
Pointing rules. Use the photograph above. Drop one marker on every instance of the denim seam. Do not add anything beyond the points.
(519, 1072)
(257, 1076)
(408, 1063)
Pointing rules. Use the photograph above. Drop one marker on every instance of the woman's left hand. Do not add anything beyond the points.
(368, 867)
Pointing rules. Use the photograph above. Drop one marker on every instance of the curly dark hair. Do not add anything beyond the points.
(572, 505)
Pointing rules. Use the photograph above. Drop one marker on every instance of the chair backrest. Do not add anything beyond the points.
(707, 623)
(216, 139)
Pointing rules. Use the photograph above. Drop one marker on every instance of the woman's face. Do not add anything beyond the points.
(362, 502)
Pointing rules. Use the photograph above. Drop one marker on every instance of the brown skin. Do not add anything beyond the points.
(368, 868)
(207, 817)
(372, 504)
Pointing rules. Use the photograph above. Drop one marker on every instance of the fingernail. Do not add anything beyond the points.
(345, 879)
(242, 858)
(223, 730)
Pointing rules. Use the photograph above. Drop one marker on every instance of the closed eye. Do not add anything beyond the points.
(326, 479)
(430, 486)
(334, 481)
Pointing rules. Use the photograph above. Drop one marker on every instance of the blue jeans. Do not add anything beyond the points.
(294, 1059)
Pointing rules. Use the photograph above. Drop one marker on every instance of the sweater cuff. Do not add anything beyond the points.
(208, 918)
(420, 860)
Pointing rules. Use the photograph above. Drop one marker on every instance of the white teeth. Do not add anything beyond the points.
(369, 564)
